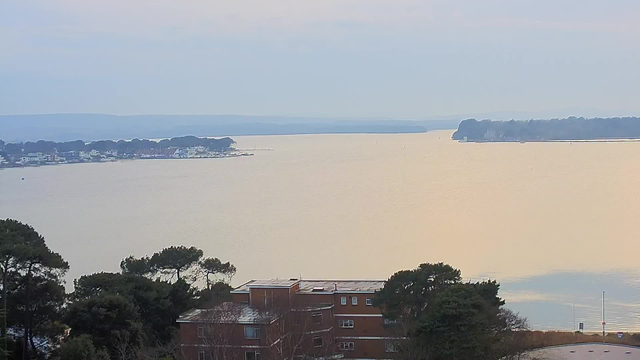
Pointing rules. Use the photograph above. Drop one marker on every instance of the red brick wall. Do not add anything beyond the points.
(361, 308)
(363, 326)
(329, 330)
(371, 349)
(312, 299)
(261, 297)
(240, 298)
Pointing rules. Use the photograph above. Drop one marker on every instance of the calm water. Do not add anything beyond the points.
(556, 223)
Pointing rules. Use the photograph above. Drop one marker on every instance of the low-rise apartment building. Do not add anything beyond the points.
(287, 319)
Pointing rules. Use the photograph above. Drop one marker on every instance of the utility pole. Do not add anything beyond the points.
(574, 318)
(604, 338)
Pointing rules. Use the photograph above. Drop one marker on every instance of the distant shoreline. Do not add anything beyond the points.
(228, 156)
(603, 140)
(569, 129)
(49, 153)
(614, 140)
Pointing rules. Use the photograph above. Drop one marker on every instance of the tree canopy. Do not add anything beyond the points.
(443, 318)
(81, 348)
(30, 270)
(135, 266)
(408, 292)
(571, 128)
(174, 261)
(125, 146)
(213, 267)
(108, 314)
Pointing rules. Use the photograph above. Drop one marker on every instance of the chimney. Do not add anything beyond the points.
(335, 286)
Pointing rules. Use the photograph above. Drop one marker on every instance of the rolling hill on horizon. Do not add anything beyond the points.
(91, 127)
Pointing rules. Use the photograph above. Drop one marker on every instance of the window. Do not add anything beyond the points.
(200, 331)
(343, 300)
(391, 347)
(252, 355)
(346, 324)
(354, 300)
(201, 355)
(369, 302)
(251, 332)
(347, 346)
(317, 318)
(318, 341)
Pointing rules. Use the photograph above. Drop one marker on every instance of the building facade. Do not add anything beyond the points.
(287, 319)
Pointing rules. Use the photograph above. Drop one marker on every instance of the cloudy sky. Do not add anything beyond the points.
(360, 58)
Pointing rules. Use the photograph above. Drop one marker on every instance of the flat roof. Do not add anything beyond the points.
(229, 313)
(595, 351)
(317, 286)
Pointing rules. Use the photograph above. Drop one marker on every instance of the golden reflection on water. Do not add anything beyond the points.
(349, 206)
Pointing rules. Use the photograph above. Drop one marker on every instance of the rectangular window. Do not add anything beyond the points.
(318, 341)
(317, 318)
(369, 302)
(200, 331)
(391, 347)
(252, 355)
(346, 324)
(343, 300)
(347, 346)
(251, 332)
(354, 300)
(201, 355)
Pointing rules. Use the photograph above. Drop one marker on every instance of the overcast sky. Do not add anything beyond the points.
(392, 58)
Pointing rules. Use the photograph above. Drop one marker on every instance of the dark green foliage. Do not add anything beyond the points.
(213, 267)
(156, 302)
(460, 325)
(445, 319)
(104, 306)
(213, 295)
(102, 354)
(101, 315)
(174, 261)
(571, 128)
(30, 271)
(141, 266)
(407, 293)
(121, 146)
(182, 297)
(46, 306)
(80, 348)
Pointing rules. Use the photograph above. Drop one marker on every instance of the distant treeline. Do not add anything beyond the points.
(123, 146)
(572, 128)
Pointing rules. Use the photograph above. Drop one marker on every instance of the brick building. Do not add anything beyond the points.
(286, 319)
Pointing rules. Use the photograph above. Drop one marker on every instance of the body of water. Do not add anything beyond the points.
(555, 223)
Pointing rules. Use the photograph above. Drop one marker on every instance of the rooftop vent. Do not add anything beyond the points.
(317, 289)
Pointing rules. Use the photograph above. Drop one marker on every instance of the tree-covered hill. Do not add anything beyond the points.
(125, 146)
(571, 128)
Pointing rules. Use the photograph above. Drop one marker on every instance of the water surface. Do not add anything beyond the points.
(362, 206)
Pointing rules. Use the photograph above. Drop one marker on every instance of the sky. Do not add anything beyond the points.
(409, 59)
